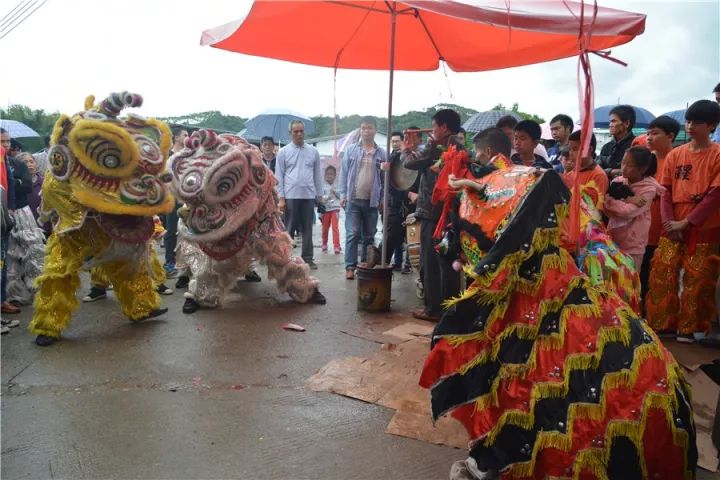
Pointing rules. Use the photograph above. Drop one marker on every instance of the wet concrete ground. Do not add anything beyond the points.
(218, 394)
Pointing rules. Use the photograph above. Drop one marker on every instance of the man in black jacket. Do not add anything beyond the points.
(23, 179)
(622, 121)
(440, 280)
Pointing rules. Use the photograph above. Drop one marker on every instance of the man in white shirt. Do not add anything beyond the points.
(299, 186)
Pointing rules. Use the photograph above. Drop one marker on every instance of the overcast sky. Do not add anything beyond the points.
(71, 48)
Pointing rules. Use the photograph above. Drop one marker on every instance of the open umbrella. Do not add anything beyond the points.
(18, 129)
(482, 120)
(417, 35)
(677, 115)
(274, 123)
(642, 117)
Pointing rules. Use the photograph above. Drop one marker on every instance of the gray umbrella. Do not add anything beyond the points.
(482, 120)
(18, 129)
(274, 123)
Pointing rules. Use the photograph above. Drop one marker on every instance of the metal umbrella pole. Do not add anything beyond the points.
(386, 187)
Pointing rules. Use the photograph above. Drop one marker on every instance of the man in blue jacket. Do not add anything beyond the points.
(361, 190)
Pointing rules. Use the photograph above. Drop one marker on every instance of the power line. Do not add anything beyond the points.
(16, 12)
(23, 20)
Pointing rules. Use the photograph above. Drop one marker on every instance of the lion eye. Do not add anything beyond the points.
(105, 153)
(228, 181)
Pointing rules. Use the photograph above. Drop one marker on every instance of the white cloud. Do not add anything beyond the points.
(70, 49)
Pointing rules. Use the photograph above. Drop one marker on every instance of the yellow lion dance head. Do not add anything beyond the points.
(111, 165)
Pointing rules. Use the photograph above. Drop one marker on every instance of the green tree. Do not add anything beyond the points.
(212, 119)
(415, 118)
(516, 108)
(39, 120)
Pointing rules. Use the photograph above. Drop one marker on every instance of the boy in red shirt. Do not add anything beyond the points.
(690, 212)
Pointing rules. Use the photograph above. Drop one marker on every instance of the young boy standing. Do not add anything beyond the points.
(690, 213)
(660, 138)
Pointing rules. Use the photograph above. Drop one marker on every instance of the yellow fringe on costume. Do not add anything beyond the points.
(66, 254)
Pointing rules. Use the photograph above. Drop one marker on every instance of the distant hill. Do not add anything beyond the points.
(323, 124)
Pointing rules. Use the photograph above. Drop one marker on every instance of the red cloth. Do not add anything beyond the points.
(455, 162)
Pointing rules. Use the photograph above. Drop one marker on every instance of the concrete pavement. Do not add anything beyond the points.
(217, 394)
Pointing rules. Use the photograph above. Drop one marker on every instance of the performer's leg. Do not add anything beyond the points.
(206, 288)
(134, 289)
(662, 303)
(292, 275)
(55, 299)
(157, 272)
(697, 303)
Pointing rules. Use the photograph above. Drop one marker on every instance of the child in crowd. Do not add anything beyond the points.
(526, 137)
(660, 137)
(331, 201)
(630, 217)
(690, 212)
(592, 178)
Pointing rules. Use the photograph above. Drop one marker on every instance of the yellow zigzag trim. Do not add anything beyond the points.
(626, 378)
(595, 459)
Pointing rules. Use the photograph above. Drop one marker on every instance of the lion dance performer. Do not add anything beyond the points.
(230, 218)
(107, 181)
(553, 376)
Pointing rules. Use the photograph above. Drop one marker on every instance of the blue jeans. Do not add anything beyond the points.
(170, 238)
(363, 224)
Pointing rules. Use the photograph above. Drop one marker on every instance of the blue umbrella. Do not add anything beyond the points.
(642, 117)
(678, 115)
(482, 120)
(274, 123)
(18, 129)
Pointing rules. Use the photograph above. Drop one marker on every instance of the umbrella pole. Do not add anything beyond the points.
(386, 173)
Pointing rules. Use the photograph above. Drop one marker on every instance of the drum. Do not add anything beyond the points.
(400, 177)
(414, 255)
(413, 241)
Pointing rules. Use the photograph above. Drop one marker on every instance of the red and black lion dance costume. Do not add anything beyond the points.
(551, 376)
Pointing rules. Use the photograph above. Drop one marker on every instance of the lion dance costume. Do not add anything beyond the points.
(229, 219)
(599, 256)
(107, 181)
(553, 376)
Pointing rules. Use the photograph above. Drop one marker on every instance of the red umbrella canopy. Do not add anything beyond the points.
(469, 37)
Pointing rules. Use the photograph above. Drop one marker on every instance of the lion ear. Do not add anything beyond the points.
(89, 102)
(59, 128)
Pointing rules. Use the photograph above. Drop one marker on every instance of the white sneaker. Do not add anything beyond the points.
(4, 330)
(10, 323)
